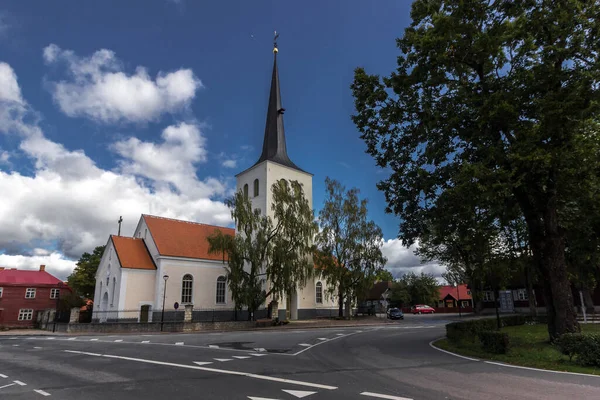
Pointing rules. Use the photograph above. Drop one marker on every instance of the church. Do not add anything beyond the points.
(165, 264)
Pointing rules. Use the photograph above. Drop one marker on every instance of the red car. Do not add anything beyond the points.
(422, 309)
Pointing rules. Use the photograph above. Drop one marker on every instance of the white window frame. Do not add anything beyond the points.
(54, 293)
(522, 295)
(30, 293)
(319, 293)
(1, 291)
(488, 296)
(25, 314)
(221, 292)
(187, 289)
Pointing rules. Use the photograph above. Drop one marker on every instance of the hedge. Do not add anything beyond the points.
(469, 330)
(585, 348)
(494, 341)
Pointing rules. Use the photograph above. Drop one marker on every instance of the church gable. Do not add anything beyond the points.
(132, 253)
(177, 238)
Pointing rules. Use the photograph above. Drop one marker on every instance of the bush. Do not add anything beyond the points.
(514, 320)
(494, 341)
(585, 348)
(468, 330)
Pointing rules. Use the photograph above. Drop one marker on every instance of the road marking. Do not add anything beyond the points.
(145, 341)
(220, 371)
(322, 338)
(93, 340)
(16, 345)
(449, 352)
(223, 359)
(83, 352)
(259, 349)
(202, 362)
(339, 334)
(20, 383)
(3, 376)
(384, 396)
(260, 398)
(37, 347)
(257, 355)
(179, 343)
(358, 331)
(51, 338)
(118, 340)
(242, 357)
(304, 344)
(42, 392)
(213, 346)
(5, 386)
(538, 369)
(72, 338)
(298, 393)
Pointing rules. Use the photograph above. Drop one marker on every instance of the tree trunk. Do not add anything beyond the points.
(340, 303)
(348, 307)
(530, 293)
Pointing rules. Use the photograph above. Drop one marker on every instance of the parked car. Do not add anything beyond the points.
(422, 309)
(395, 313)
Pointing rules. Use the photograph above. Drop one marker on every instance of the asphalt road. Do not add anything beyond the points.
(393, 362)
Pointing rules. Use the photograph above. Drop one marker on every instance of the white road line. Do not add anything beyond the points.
(20, 383)
(322, 338)
(5, 386)
(37, 347)
(50, 338)
(241, 357)
(83, 352)
(224, 371)
(298, 393)
(202, 362)
(259, 349)
(223, 359)
(449, 352)
(358, 331)
(145, 341)
(257, 355)
(93, 340)
(3, 376)
(260, 398)
(384, 396)
(304, 344)
(213, 346)
(118, 340)
(538, 369)
(339, 336)
(71, 338)
(179, 343)
(16, 345)
(41, 392)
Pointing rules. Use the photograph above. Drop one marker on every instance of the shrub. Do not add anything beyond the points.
(585, 348)
(494, 341)
(514, 320)
(468, 330)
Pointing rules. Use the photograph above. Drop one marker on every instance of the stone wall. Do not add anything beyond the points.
(127, 327)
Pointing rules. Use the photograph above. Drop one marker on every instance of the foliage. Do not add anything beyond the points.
(349, 244)
(494, 341)
(83, 278)
(416, 289)
(469, 330)
(68, 300)
(268, 256)
(384, 275)
(584, 347)
(489, 106)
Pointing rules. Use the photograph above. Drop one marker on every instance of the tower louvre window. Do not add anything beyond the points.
(246, 190)
(255, 187)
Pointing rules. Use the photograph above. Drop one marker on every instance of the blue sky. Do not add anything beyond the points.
(81, 71)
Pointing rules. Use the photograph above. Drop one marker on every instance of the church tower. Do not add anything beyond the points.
(275, 164)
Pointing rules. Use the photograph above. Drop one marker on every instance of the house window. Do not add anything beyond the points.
(221, 282)
(319, 293)
(522, 295)
(54, 293)
(25, 314)
(488, 296)
(246, 190)
(186, 289)
(1, 290)
(468, 292)
(255, 187)
(30, 293)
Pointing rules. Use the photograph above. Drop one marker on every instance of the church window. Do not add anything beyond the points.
(246, 190)
(221, 283)
(186, 289)
(112, 298)
(319, 293)
(255, 187)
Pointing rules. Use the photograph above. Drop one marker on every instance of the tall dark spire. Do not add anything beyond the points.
(274, 148)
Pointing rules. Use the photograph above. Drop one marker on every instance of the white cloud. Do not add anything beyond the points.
(99, 89)
(9, 88)
(229, 163)
(402, 260)
(72, 205)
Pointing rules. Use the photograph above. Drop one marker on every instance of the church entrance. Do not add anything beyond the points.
(144, 313)
(291, 306)
(104, 308)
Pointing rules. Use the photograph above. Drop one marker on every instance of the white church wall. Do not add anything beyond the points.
(142, 231)
(139, 286)
(108, 281)
(247, 178)
(275, 172)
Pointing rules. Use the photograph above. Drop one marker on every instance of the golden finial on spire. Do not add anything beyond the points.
(275, 50)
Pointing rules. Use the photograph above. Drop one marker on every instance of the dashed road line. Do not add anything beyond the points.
(298, 393)
(260, 349)
(72, 338)
(223, 359)
(257, 355)
(384, 396)
(39, 348)
(339, 334)
(20, 383)
(39, 391)
(241, 357)
(213, 346)
(93, 340)
(118, 340)
(145, 341)
(322, 338)
(9, 385)
(202, 362)
(50, 338)
(304, 344)
(3, 376)
(16, 345)
(179, 343)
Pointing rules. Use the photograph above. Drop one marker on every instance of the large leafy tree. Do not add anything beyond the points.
(83, 278)
(495, 93)
(349, 244)
(268, 256)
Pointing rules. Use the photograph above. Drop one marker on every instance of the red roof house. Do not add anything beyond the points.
(23, 293)
(450, 296)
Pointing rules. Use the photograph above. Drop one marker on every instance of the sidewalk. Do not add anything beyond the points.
(30, 332)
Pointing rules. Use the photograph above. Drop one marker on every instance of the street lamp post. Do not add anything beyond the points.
(162, 317)
(458, 300)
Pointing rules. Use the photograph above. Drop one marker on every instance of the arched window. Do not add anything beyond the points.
(319, 293)
(186, 289)
(112, 297)
(255, 187)
(221, 283)
(246, 190)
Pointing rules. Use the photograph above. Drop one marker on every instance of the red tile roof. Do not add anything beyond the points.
(451, 290)
(132, 253)
(179, 238)
(29, 278)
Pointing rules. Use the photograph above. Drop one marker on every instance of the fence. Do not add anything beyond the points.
(147, 315)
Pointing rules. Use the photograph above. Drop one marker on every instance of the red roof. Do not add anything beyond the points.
(132, 253)
(29, 278)
(463, 292)
(178, 238)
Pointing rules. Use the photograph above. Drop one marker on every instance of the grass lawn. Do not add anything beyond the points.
(529, 347)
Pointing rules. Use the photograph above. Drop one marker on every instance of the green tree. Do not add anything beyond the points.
(423, 289)
(268, 256)
(349, 244)
(498, 93)
(83, 278)
(384, 275)
(400, 294)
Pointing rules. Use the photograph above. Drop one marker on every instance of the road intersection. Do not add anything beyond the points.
(392, 362)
